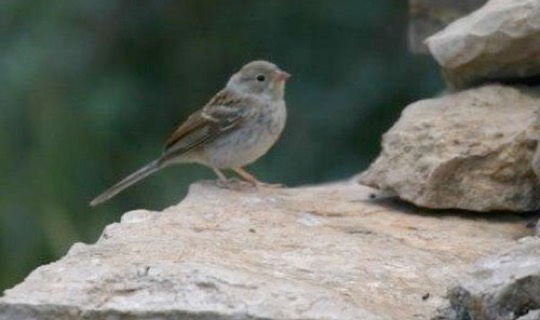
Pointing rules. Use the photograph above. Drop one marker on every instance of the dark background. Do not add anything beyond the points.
(89, 90)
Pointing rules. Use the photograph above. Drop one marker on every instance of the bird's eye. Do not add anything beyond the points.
(261, 78)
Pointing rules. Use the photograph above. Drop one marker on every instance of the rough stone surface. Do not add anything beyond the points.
(500, 41)
(305, 253)
(470, 150)
(503, 287)
(531, 315)
(430, 16)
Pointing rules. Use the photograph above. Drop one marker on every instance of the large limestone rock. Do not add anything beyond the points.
(500, 41)
(430, 16)
(505, 287)
(469, 150)
(306, 253)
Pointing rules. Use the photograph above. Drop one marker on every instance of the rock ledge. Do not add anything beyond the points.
(304, 253)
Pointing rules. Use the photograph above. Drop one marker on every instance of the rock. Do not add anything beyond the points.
(505, 286)
(470, 150)
(321, 252)
(500, 41)
(531, 315)
(430, 16)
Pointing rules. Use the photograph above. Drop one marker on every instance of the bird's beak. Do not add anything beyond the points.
(282, 76)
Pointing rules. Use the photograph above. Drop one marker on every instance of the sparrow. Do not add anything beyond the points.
(235, 128)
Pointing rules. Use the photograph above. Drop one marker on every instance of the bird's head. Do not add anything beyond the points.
(261, 78)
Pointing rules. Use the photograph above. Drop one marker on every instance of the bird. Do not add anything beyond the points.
(235, 128)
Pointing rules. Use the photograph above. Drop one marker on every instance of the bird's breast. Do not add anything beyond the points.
(249, 141)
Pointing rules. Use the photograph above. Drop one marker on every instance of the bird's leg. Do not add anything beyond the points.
(220, 175)
(251, 178)
(246, 176)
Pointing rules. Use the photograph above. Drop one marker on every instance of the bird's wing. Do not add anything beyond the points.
(223, 113)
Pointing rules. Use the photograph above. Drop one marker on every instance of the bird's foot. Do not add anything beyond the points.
(254, 181)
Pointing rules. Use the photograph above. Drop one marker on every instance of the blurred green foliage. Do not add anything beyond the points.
(90, 89)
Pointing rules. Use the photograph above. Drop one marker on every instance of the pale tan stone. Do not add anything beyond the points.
(470, 150)
(322, 252)
(500, 41)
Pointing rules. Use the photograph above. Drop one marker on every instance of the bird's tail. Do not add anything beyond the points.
(128, 181)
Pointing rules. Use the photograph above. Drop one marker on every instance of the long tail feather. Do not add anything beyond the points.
(128, 181)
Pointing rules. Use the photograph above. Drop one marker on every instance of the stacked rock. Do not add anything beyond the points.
(430, 16)
(474, 148)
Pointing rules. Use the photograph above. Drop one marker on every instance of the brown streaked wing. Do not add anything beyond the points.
(193, 123)
(221, 114)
